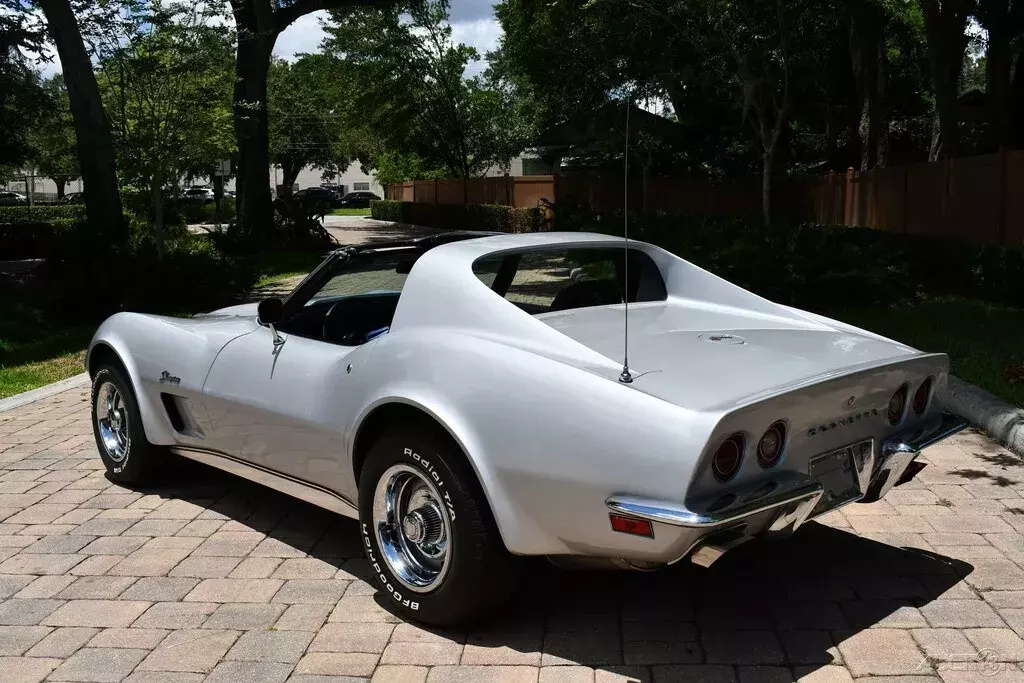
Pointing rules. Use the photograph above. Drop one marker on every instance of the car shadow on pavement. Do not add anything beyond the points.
(822, 596)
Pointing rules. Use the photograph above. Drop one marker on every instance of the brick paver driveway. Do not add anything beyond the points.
(212, 578)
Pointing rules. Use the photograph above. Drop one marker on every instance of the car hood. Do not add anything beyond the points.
(239, 311)
(708, 357)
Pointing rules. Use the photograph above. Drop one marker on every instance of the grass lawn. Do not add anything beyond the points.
(348, 212)
(34, 352)
(275, 266)
(983, 341)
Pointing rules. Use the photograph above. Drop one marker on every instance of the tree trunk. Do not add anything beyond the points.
(770, 154)
(997, 84)
(156, 197)
(253, 209)
(290, 169)
(60, 182)
(945, 23)
(1016, 100)
(882, 108)
(92, 129)
(866, 51)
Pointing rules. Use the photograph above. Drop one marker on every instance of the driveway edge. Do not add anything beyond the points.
(26, 397)
(1004, 423)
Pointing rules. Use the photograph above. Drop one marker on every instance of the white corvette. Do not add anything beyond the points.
(464, 396)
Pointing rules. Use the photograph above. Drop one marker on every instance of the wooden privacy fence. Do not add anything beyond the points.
(521, 191)
(976, 199)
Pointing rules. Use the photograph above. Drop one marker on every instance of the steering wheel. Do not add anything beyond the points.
(347, 339)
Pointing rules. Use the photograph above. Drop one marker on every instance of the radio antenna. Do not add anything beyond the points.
(626, 376)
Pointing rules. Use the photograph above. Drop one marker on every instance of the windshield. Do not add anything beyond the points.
(366, 274)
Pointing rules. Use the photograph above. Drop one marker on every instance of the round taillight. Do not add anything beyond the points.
(726, 462)
(896, 405)
(769, 448)
(922, 395)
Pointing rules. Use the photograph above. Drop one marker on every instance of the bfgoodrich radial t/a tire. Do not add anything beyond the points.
(117, 425)
(428, 533)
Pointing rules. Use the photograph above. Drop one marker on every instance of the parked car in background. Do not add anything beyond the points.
(310, 196)
(199, 194)
(74, 198)
(12, 199)
(357, 200)
(337, 191)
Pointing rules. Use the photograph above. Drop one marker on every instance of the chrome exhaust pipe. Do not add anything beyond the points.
(709, 550)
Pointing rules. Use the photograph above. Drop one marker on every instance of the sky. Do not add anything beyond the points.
(473, 23)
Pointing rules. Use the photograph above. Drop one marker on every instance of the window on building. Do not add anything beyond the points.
(360, 187)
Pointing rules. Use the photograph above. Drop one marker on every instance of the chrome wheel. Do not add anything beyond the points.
(112, 421)
(412, 527)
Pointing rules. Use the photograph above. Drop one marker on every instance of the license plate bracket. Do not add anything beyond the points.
(836, 471)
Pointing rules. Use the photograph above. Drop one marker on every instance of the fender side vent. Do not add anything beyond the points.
(173, 413)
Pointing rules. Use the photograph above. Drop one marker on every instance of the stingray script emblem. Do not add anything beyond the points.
(168, 378)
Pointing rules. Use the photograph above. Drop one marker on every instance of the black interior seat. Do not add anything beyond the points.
(587, 293)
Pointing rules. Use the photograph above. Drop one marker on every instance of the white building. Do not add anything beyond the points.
(353, 179)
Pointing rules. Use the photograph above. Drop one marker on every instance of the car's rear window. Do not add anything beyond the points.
(546, 280)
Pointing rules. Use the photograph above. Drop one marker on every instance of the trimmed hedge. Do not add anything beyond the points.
(484, 217)
(823, 267)
(40, 214)
(30, 231)
(32, 239)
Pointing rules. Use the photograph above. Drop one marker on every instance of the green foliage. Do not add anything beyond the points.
(194, 212)
(406, 79)
(308, 111)
(483, 217)
(33, 231)
(34, 214)
(53, 139)
(166, 77)
(823, 267)
(22, 96)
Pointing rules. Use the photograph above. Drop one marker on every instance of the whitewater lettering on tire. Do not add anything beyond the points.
(379, 571)
(435, 475)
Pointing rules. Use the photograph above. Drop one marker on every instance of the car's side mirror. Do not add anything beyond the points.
(270, 311)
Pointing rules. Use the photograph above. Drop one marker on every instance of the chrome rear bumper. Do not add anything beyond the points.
(793, 501)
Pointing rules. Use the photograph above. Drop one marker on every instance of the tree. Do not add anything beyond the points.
(94, 143)
(1003, 20)
(307, 116)
(166, 83)
(257, 24)
(945, 24)
(22, 96)
(53, 140)
(867, 22)
(407, 76)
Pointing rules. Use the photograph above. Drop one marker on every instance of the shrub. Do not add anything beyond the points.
(483, 217)
(195, 212)
(823, 267)
(20, 215)
(192, 276)
(33, 239)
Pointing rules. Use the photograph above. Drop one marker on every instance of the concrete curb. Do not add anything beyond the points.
(27, 397)
(1003, 422)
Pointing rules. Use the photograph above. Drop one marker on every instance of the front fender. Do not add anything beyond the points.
(165, 355)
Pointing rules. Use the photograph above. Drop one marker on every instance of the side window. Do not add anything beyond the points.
(540, 277)
(557, 280)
